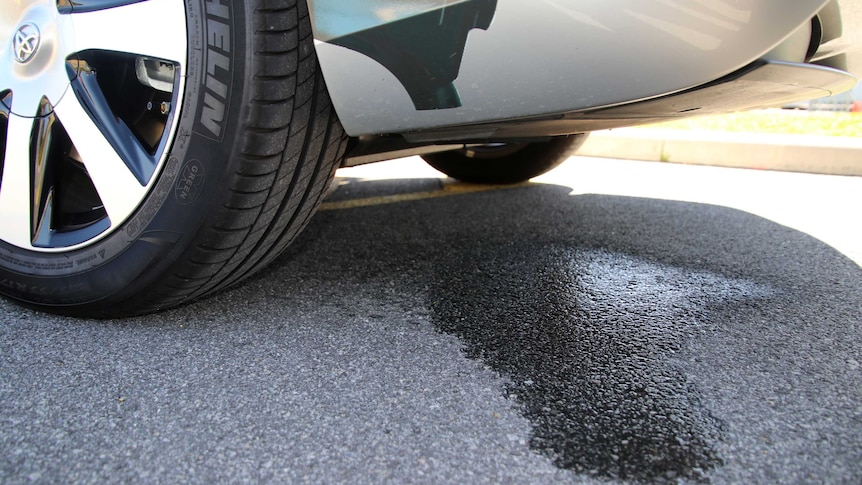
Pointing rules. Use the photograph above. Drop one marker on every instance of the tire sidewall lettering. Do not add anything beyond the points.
(214, 99)
(191, 182)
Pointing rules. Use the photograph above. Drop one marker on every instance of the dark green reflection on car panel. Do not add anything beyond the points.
(5, 112)
(422, 43)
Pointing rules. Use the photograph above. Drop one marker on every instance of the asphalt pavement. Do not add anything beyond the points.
(611, 322)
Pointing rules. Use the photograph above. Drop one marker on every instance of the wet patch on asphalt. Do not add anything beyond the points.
(592, 343)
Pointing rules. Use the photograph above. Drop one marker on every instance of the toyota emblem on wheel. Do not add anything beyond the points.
(26, 42)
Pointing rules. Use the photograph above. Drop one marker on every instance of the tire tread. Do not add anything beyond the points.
(291, 145)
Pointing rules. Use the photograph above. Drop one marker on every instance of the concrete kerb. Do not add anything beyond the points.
(791, 153)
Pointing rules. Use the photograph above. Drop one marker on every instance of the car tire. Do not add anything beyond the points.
(248, 146)
(505, 163)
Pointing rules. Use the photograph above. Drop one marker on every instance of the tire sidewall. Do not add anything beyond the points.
(191, 181)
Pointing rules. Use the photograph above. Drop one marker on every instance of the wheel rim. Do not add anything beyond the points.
(88, 91)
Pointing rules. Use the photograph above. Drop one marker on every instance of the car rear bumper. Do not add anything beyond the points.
(412, 66)
(759, 85)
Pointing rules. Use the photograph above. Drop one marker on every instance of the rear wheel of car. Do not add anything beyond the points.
(505, 163)
(155, 151)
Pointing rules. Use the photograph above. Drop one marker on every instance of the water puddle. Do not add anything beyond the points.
(593, 344)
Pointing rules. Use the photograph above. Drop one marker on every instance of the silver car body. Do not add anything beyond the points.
(553, 59)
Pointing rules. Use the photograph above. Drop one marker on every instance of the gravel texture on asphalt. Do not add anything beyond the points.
(522, 335)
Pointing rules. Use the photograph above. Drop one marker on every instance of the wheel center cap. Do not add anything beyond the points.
(26, 42)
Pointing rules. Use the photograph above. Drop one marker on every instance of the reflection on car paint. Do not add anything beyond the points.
(422, 43)
(550, 58)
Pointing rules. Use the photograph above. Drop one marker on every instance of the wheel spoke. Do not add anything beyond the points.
(153, 28)
(96, 141)
(15, 202)
(41, 180)
(5, 111)
(77, 6)
(26, 98)
(117, 133)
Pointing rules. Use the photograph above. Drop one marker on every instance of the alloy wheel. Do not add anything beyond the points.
(88, 91)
